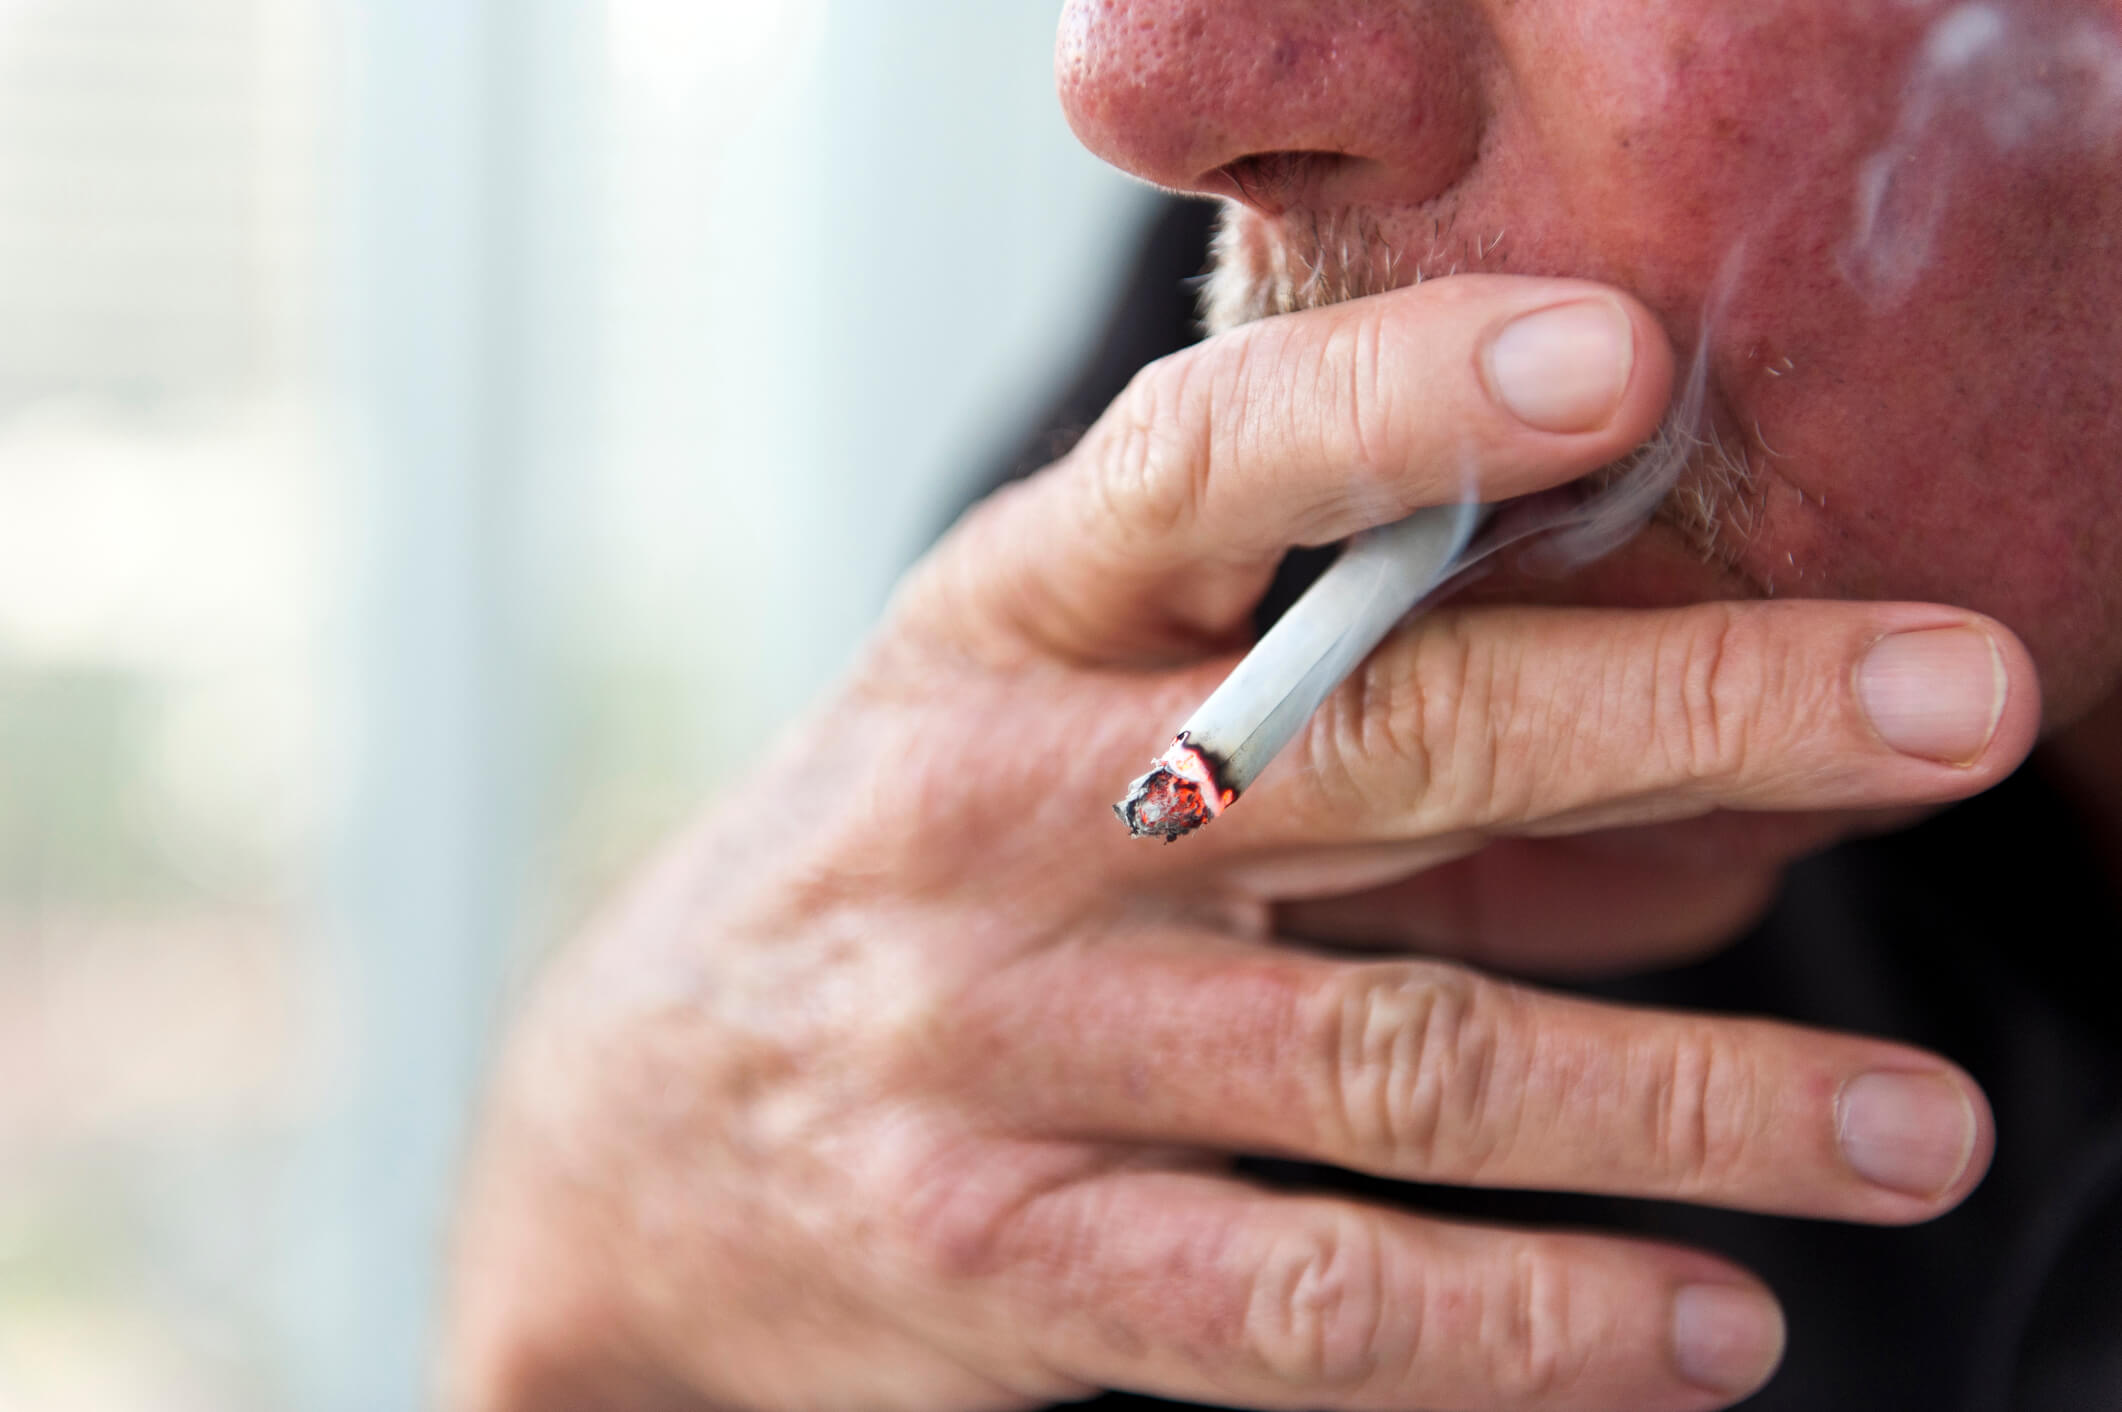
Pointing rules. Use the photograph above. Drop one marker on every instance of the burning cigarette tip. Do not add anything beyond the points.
(1161, 805)
(1180, 794)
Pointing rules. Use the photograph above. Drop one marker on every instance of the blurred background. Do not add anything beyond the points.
(439, 442)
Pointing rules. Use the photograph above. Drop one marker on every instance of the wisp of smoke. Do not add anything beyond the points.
(1991, 79)
(1626, 495)
(1685, 468)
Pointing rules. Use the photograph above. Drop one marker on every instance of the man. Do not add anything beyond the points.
(908, 1081)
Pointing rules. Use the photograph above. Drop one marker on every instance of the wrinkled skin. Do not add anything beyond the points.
(1636, 143)
(905, 1080)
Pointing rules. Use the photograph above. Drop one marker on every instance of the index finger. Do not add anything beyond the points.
(1160, 530)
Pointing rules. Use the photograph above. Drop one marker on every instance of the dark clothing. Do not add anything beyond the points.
(1988, 934)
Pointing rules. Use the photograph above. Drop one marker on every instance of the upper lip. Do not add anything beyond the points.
(1282, 186)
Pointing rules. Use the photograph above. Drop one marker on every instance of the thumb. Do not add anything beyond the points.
(1158, 533)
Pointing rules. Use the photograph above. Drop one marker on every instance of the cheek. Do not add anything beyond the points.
(1953, 442)
(1644, 143)
(1680, 130)
(1948, 439)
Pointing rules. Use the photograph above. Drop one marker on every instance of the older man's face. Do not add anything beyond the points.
(1917, 207)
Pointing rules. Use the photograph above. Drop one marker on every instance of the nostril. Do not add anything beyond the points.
(1272, 182)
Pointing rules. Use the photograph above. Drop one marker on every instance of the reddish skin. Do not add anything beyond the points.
(1632, 143)
(923, 1100)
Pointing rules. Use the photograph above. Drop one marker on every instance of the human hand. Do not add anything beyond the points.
(909, 1081)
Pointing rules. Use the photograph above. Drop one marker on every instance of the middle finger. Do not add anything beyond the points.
(1545, 721)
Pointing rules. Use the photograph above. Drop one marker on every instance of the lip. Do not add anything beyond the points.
(1680, 556)
(1676, 557)
(1660, 568)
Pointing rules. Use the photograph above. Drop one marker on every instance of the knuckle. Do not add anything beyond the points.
(1355, 752)
(1353, 373)
(1498, 733)
(1318, 1311)
(1149, 463)
(960, 1209)
(1407, 733)
(1407, 1078)
(1696, 1110)
(1536, 1348)
(954, 1226)
(1707, 695)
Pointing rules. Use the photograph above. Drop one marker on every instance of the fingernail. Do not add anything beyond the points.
(1912, 1132)
(1937, 693)
(1726, 1338)
(1564, 369)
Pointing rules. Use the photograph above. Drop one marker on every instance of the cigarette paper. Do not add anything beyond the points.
(1379, 578)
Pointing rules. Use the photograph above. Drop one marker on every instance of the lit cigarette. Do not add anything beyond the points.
(1379, 578)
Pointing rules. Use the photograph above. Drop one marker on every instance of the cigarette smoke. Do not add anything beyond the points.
(1625, 496)
(1990, 81)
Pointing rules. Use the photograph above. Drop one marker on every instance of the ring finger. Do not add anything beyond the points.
(1431, 1072)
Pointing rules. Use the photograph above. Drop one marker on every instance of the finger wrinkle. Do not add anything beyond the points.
(1538, 1355)
(1716, 700)
(1408, 1073)
(1319, 1315)
(1681, 1099)
(1368, 387)
(1132, 489)
(1472, 715)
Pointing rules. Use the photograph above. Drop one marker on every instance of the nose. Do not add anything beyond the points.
(1275, 102)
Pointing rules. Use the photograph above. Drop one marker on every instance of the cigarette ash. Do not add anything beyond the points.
(1182, 792)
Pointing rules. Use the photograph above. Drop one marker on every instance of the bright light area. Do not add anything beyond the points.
(439, 443)
(721, 53)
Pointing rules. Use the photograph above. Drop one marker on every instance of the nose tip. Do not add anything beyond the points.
(1273, 102)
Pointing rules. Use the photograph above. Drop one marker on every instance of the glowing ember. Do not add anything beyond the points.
(1181, 792)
